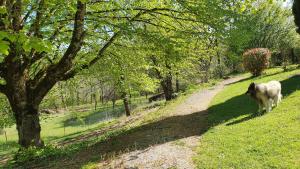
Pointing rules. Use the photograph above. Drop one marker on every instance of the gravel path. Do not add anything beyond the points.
(171, 142)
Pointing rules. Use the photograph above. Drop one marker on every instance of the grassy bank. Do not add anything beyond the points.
(239, 138)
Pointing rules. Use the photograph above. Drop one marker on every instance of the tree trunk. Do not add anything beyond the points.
(114, 100)
(95, 99)
(26, 92)
(63, 102)
(294, 57)
(167, 87)
(28, 126)
(126, 104)
(102, 96)
(24, 103)
(177, 85)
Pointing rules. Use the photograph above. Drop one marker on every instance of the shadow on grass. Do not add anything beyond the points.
(98, 116)
(6, 145)
(6, 149)
(142, 137)
(232, 108)
(170, 129)
(288, 87)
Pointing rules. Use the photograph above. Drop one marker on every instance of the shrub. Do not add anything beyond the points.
(33, 154)
(256, 60)
(220, 71)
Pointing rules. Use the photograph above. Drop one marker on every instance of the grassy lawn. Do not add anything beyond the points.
(239, 138)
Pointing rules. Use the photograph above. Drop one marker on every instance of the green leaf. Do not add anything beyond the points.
(83, 1)
(3, 10)
(26, 46)
(38, 44)
(4, 47)
(3, 35)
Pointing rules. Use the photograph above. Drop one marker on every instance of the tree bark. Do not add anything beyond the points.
(167, 87)
(126, 104)
(165, 81)
(177, 83)
(29, 129)
(114, 100)
(95, 101)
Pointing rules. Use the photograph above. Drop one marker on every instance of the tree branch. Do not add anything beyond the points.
(132, 9)
(54, 72)
(16, 15)
(37, 23)
(74, 71)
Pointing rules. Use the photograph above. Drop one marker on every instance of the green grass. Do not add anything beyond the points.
(240, 138)
(63, 126)
(59, 127)
(36, 158)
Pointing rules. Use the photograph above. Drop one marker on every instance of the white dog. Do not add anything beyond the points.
(266, 94)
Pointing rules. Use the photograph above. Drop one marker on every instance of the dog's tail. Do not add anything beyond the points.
(280, 97)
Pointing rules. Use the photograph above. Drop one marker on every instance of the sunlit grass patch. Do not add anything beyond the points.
(239, 138)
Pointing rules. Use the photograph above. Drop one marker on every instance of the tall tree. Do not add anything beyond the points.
(272, 27)
(40, 42)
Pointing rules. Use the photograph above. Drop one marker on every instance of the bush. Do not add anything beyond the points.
(220, 71)
(256, 60)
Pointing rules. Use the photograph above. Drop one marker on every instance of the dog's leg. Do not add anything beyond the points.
(260, 108)
(268, 105)
(276, 100)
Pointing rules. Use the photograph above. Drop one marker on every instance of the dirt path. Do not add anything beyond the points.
(162, 144)
(187, 127)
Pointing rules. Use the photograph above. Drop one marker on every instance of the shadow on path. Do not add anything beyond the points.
(171, 128)
(140, 138)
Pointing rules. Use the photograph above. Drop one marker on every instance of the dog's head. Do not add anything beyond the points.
(251, 89)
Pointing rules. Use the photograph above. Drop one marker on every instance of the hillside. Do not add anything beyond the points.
(215, 126)
(159, 139)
